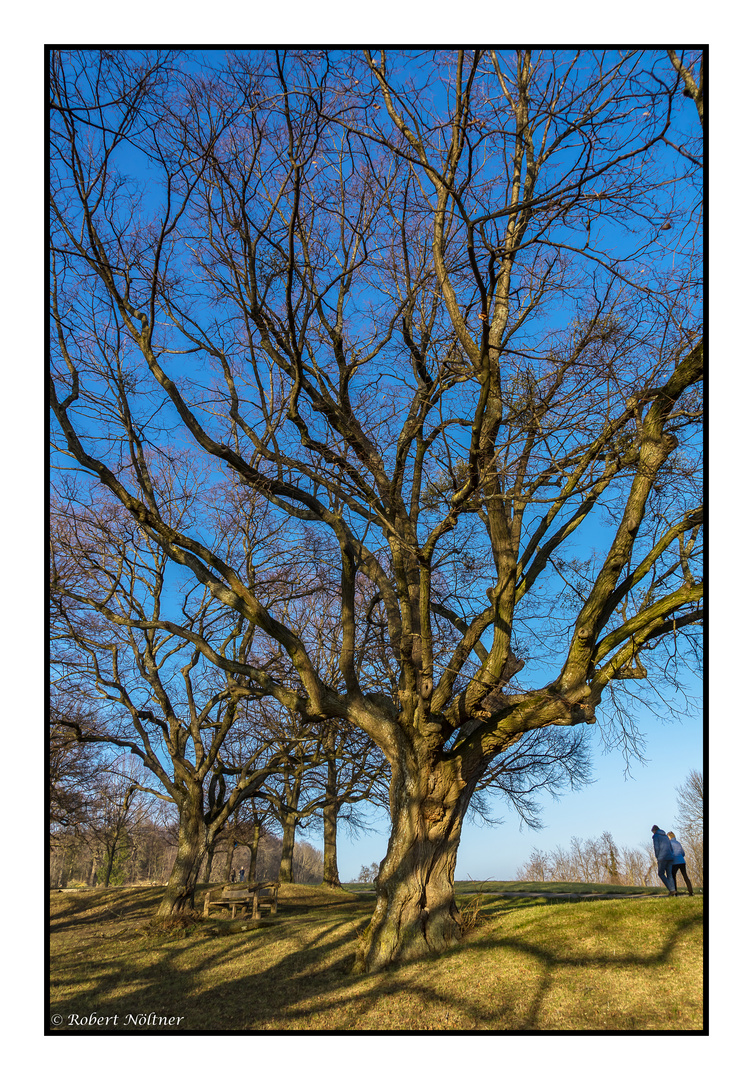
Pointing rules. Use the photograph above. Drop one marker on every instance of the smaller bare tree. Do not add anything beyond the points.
(690, 822)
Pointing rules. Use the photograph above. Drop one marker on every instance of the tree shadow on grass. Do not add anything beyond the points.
(552, 964)
(201, 976)
(89, 909)
(261, 979)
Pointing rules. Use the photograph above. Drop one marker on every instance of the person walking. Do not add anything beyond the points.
(678, 862)
(664, 858)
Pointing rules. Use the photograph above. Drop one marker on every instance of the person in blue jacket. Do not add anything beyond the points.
(678, 862)
(664, 858)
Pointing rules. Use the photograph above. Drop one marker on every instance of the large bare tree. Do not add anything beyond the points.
(442, 312)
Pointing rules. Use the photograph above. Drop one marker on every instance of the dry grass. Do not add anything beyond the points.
(469, 912)
(526, 964)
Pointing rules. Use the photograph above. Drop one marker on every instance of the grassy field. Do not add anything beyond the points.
(529, 964)
(555, 888)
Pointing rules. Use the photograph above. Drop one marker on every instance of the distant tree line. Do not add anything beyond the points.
(143, 852)
(107, 829)
(601, 861)
(146, 856)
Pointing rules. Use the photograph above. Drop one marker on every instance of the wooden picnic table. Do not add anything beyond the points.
(242, 897)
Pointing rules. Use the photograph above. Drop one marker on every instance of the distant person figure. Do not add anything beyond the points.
(678, 862)
(232, 875)
(242, 874)
(664, 858)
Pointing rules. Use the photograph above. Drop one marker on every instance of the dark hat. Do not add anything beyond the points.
(655, 828)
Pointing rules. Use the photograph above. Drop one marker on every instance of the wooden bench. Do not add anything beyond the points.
(242, 897)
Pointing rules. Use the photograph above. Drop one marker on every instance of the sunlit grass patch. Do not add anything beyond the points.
(527, 964)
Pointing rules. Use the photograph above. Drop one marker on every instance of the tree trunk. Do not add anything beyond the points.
(415, 913)
(66, 867)
(253, 847)
(229, 862)
(110, 859)
(289, 822)
(132, 866)
(331, 874)
(193, 842)
(331, 809)
(108, 868)
(207, 875)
